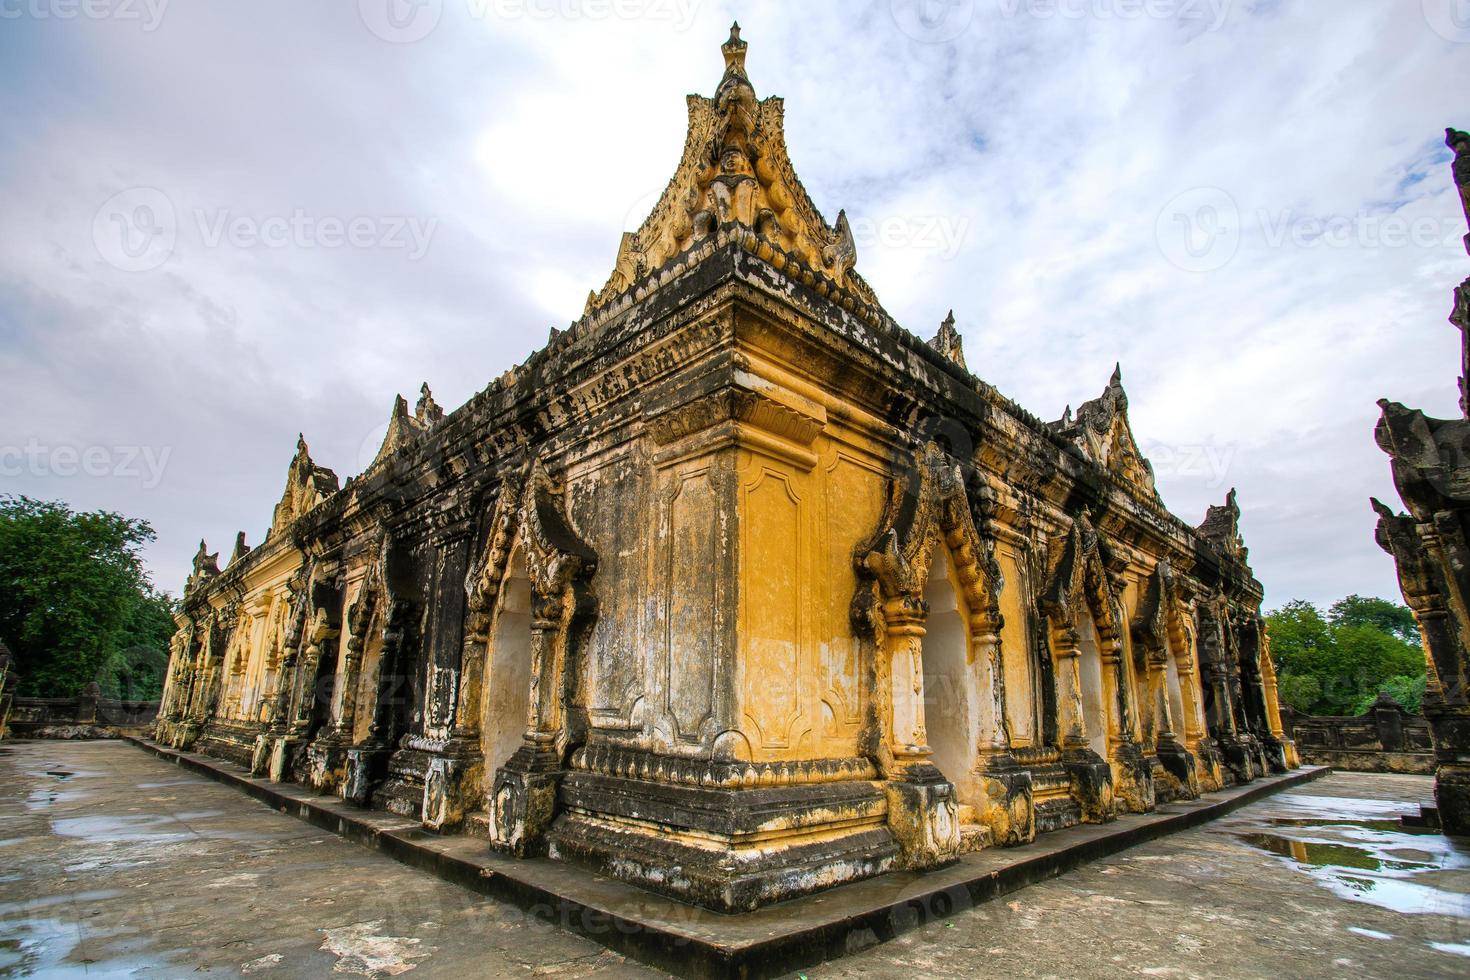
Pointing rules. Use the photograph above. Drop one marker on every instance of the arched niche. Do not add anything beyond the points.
(950, 697)
(928, 535)
(1084, 636)
(1095, 725)
(505, 699)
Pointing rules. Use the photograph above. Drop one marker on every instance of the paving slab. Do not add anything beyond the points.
(697, 942)
(126, 865)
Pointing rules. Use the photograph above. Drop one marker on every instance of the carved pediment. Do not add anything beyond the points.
(929, 508)
(1079, 579)
(530, 510)
(949, 342)
(404, 428)
(307, 485)
(206, 566)
(735, 170)
(1100, 429)
(365, 605)
(1158, 623)
(1221, 528)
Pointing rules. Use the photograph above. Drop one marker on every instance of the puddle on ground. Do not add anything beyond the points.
(33, 945)
(1459, 949)
(1373, 860)
(53, 948)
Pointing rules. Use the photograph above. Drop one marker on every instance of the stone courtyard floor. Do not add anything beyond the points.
(116, 864)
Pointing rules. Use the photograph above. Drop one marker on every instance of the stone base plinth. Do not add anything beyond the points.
(734, 849)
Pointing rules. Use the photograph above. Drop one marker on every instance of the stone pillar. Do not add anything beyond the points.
(1066, 649)
(1289, 757)
(1133, 784)
(990, 683)
(1091, 777)
(904, 627)
(923, 812)
(1007, 806)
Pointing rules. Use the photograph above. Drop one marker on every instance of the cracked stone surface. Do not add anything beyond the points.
(114, 863)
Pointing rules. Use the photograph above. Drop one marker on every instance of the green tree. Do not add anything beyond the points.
(1336, 665)
(1390, 617)
(76, 605)
(1407, 691)
(1300, 691)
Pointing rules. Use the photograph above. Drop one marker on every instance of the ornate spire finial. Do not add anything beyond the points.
(205, 563)
(240, 550)
(1117, 379)
(734, 52)
(427, 410)
(301, 444)
(948, 341)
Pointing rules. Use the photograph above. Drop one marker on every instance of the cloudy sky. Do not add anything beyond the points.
(224, 223)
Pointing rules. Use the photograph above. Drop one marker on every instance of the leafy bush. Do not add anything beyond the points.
(76, 605)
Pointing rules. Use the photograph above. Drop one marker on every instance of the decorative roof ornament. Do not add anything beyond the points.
(949, 342)
(206, 566)
(1221, 527)
(240, 550)
(403, 428)
(735, 171)
(734, 52)
(1102, 432)
(427, 412)
(307, 485)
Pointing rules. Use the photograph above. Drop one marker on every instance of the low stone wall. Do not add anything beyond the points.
(88, 715)
(1384, 739)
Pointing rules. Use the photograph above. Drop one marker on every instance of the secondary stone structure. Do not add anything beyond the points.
(1431, 545)
(737, 589)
